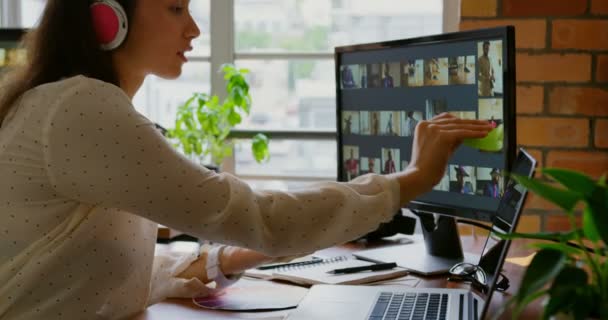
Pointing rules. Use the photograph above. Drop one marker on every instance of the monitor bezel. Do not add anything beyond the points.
(507, 33)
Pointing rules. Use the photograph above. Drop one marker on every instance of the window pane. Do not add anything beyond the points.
(290, 158)
(291, 94)
(158, 99)
(31, 10)
(320, 25)
(200, 10)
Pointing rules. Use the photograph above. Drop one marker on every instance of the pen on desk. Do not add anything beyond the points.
(289, 264)
(371, 267)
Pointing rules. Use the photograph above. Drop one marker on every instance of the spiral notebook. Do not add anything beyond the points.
(309, 274)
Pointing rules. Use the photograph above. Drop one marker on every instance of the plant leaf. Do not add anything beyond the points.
(526, 301)
(565, 199)
(589, 226)
(565, 291)
(572, 180)
(259, 147)
(545, 265)
(566, 249)
(598, 206)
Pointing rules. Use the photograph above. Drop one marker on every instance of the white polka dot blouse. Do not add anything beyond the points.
(84, 180)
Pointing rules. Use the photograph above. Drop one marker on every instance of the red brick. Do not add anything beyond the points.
(553, 132)
(537, 203)
(478, 8)
(560, 222)
(601, 73)
(529, 33)
(529, 224)
(592, 163)
(599, 7)
(553, 67)
(580, 34)
(530, 99)
(601, 133)
(579, 100)
(527, 8)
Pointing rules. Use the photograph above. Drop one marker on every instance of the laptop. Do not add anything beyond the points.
(395, 303)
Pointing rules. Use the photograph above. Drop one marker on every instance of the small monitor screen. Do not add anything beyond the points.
(385, 90)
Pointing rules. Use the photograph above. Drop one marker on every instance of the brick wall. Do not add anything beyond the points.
(562, 85)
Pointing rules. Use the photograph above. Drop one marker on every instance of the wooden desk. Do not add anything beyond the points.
(184, 309)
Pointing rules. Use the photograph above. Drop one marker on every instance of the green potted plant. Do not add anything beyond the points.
(573, 278)
(203, 124)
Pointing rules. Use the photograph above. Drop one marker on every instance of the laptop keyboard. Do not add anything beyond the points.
(410, 306)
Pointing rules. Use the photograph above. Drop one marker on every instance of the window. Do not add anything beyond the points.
(31, 11)
(20, 14)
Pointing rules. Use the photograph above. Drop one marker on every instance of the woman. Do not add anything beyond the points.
(85, 178)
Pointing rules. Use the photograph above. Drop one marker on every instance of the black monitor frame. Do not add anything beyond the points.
(507, 33)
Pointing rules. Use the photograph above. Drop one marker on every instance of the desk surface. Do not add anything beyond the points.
(184, 309)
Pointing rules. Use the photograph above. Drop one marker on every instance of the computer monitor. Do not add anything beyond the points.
(11, 51)
(385, 89)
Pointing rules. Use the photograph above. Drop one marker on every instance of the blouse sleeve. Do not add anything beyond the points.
(100, 151)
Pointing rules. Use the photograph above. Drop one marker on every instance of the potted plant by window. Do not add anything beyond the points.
(573, 278)
(203, 124)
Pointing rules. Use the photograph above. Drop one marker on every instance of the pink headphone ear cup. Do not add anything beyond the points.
(110, 23)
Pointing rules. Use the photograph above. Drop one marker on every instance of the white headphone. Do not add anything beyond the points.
(110, 23)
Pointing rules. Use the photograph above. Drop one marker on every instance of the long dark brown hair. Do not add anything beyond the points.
(63, 45)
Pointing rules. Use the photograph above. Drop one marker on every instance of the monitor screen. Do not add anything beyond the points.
(11, 52)
(385, 89)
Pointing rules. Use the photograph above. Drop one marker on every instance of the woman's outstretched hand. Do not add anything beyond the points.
(434, 143)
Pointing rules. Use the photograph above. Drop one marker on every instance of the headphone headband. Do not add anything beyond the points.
(110, 23)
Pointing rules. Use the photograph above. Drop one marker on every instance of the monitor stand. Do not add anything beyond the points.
(439, 251)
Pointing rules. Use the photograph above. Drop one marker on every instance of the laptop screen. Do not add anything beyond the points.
(495, 250)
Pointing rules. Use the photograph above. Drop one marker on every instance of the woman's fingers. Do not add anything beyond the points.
(461, 121)
(455, 126)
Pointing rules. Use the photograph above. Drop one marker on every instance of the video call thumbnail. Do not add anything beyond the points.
(391, 160)
(413, 73)
(409, 121)
(461, 70)
(351, 162)
(351, 122)
(435, 107)
(478, 181)
(436, 72)
(370, 165)
(490, 65)
(381, 123)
